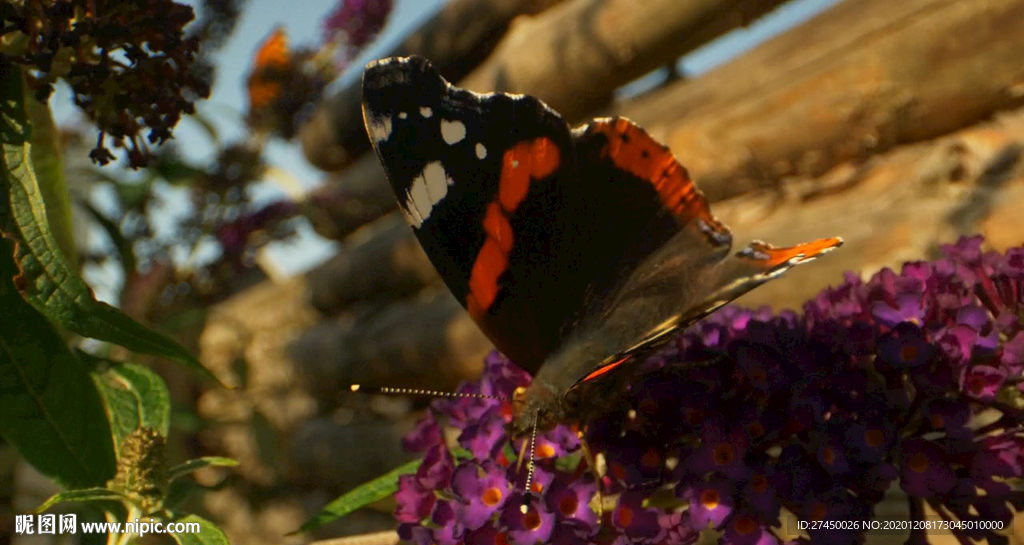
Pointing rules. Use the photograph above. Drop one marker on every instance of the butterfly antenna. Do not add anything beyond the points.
(415, 391)
(529, 466)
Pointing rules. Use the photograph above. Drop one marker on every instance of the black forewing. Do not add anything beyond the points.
(524, 322)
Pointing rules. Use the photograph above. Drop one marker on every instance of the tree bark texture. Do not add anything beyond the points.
(388, 264)
(351, 200)
(578, 53)
(858, 79)
(899, 206)
(426, 342)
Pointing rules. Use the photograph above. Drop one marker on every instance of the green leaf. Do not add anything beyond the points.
(133, 194)
(82, 495)
(184, 492)
(135, 396)
(205, 122)
(46, 159)
(173, 169)
(209, 533)
(49, 409)
(136, 195)
(196, 464)
(125, 249)
(53, 287)
(360, 497)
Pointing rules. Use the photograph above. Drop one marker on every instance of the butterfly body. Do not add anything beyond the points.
(577, 251)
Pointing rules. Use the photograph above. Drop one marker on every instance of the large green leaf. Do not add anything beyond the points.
(50, 172)
(135, 397)
(52, 285)
(361, 496)
(49, 408)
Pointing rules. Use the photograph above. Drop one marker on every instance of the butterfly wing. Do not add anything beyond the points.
(264, 81)
(481, 180)
(682, 274)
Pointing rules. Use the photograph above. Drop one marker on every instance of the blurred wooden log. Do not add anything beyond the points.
(426, 342)
(389, 537)
(276, 429)
(578, 53)
(861, 78)
(457, 39)
(900, 206)
(350, 200)
(370, 448)
(389, 264)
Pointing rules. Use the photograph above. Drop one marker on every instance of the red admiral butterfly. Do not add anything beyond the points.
(271, 59)
(576, 251)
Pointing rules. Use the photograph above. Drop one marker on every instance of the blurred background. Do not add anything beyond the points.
(264, 237)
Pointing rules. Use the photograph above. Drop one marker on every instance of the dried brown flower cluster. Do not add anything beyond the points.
(130, 65)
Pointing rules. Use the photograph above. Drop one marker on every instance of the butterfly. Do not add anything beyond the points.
(577, 251)
(272, 58)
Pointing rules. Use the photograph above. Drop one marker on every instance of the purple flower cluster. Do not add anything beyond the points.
(358, 21)
(751, 421)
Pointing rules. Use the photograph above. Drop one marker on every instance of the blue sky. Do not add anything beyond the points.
(302, 20)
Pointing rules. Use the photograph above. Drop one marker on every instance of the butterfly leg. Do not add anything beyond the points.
(588, 455)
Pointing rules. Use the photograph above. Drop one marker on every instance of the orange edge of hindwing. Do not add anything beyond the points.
(770, 256)
(630, 148)
(606, 368)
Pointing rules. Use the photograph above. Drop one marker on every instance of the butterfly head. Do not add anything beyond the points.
(535, 406)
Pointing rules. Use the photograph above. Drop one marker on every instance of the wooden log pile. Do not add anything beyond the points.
(896, 125)
(856, 81)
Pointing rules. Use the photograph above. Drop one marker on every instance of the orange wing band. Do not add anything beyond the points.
(520, 166)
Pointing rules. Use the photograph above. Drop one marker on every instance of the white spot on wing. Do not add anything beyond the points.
(426, 111)
(402, 115)
(382, 62)
(436, 180)
(427, 189)
(380, 128)
(452, 131)
(481, 151)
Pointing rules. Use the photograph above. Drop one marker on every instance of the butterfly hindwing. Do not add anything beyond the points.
(665, 261)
